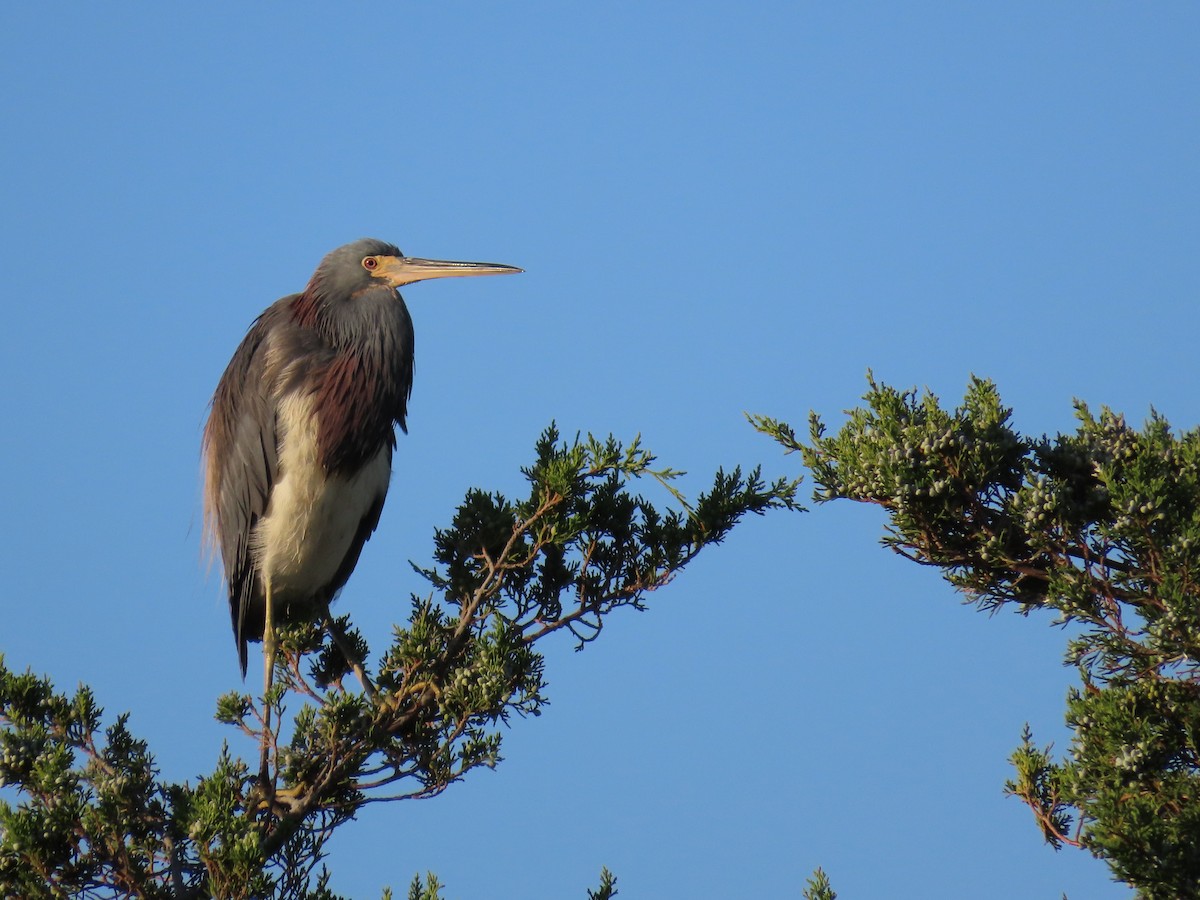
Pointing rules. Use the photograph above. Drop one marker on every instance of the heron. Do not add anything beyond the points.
(299, 439)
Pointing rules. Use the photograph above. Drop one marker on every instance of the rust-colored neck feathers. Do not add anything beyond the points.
(361, 391)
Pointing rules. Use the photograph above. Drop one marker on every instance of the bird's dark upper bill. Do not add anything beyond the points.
(398, 270)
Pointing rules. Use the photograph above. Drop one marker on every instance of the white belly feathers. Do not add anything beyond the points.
(312, 518)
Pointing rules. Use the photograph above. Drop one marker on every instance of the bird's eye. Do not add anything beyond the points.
(370, 262)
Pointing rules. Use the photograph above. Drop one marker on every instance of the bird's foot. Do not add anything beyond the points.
(417, 689)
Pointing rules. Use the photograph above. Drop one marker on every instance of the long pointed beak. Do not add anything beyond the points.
(398, 270)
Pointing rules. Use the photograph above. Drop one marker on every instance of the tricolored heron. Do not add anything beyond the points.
(298, 445)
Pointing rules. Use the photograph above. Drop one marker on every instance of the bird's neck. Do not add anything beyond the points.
(364, 392)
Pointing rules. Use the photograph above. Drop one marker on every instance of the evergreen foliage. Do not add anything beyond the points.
(1100, 528)
(818, 887)
(94, 819)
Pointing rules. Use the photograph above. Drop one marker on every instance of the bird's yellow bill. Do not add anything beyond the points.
(398, 270)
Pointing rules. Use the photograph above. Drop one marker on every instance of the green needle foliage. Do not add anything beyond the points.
(818, 887)
(93, 818)
(1100, 528)
(607, 889)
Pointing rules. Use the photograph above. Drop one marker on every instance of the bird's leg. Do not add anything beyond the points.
(343, 644)
(269, 647)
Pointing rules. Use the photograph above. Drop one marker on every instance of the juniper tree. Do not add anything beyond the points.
(94, 819)
(1099, 530)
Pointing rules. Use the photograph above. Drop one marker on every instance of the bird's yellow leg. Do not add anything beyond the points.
(416, 689)
(268, 640)
(269, 647)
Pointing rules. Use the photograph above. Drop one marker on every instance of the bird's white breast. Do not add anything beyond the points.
(312, 517)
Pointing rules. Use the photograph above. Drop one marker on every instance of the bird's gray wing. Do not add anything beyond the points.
(241, 444)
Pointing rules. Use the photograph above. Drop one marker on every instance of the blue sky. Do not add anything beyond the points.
(721, 208)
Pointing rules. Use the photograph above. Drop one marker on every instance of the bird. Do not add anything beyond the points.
(299, 439)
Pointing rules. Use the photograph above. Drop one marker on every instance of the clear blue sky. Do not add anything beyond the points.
(720, 207)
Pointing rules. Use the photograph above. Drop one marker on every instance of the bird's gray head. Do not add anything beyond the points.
(353, 267)
(368, 263)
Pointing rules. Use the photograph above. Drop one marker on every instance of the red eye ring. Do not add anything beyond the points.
(370, 263)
